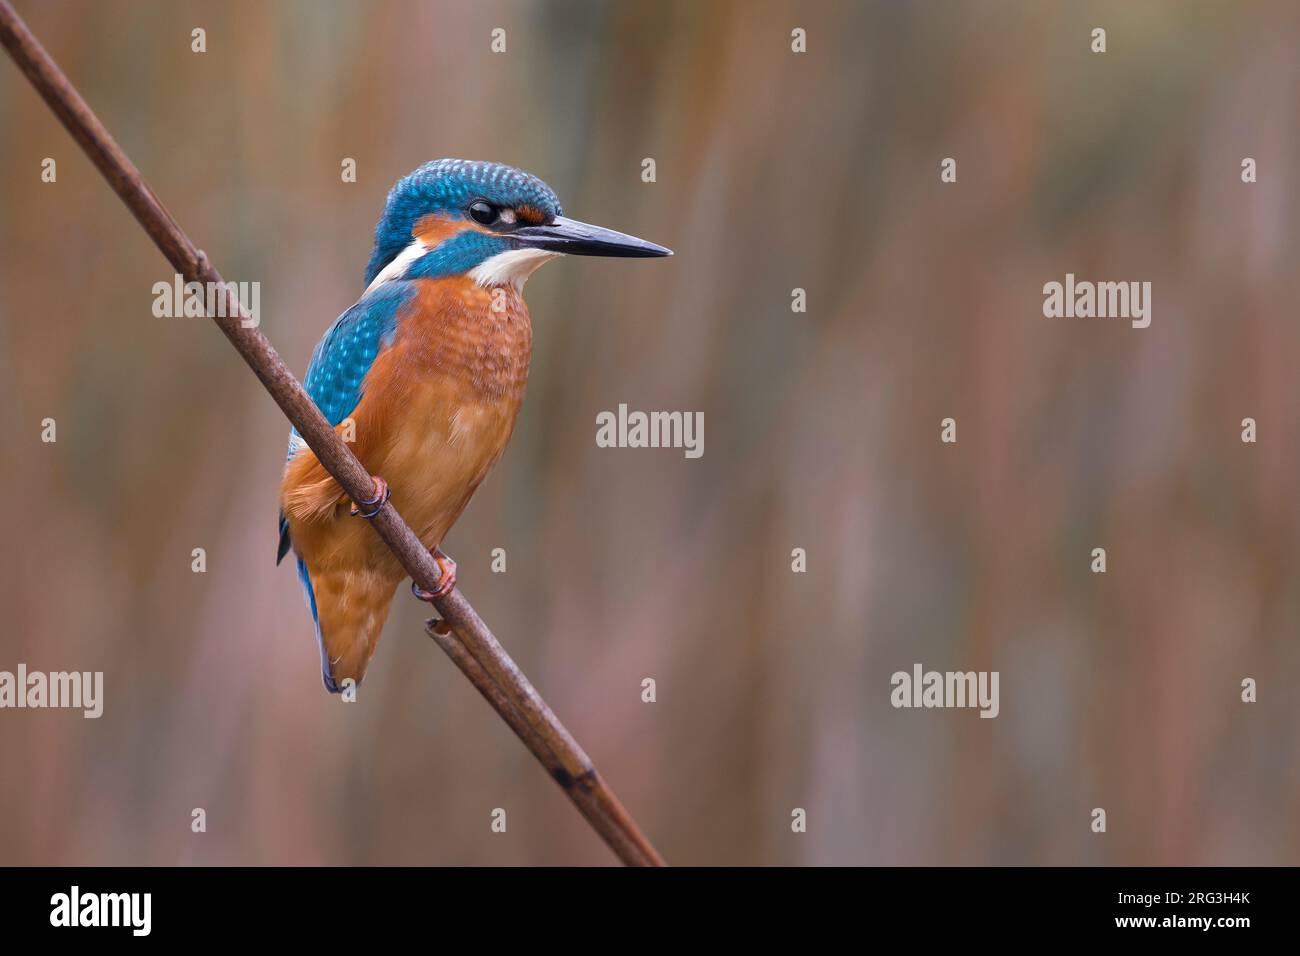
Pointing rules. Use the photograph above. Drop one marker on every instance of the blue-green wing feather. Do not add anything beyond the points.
(341, 360)
(338, 368)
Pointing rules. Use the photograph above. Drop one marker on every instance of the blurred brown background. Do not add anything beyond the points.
(775, 171)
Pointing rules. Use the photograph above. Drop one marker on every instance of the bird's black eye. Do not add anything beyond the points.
(483, 212)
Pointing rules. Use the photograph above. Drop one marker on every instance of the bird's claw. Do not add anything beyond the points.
(446, 578)
(368, 509)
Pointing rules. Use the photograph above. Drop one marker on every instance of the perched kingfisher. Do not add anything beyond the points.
(430, 367)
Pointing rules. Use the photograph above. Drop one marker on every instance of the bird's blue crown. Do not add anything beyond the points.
(448, 187)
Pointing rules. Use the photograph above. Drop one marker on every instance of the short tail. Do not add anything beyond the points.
(305, 578)
(348, 610)
(285, 543)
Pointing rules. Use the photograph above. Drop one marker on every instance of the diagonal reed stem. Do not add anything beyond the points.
(474, 649)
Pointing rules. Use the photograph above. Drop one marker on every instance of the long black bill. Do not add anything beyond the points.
(581, 239)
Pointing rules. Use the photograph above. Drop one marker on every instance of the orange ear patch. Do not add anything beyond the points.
(530, 214)
(436, 228)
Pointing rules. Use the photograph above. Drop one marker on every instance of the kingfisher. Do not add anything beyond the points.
(425, 376)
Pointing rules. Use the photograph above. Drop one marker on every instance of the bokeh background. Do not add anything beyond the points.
(775, 171)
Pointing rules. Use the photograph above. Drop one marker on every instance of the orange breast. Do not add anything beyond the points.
(437, 409)
(440, 404)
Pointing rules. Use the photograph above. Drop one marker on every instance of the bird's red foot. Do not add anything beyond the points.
(368, 509)
(446, 578)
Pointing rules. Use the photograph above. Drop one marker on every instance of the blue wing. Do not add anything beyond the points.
(305, 579)
(344, 355)
(341, 360)
(338, 367)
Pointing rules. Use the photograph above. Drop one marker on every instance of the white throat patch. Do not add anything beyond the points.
(510, 268)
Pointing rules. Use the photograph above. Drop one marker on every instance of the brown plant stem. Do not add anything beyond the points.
(475, 650)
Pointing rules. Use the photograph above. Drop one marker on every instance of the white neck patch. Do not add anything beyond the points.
(510, 268)
(401, 262)
(505, 268)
